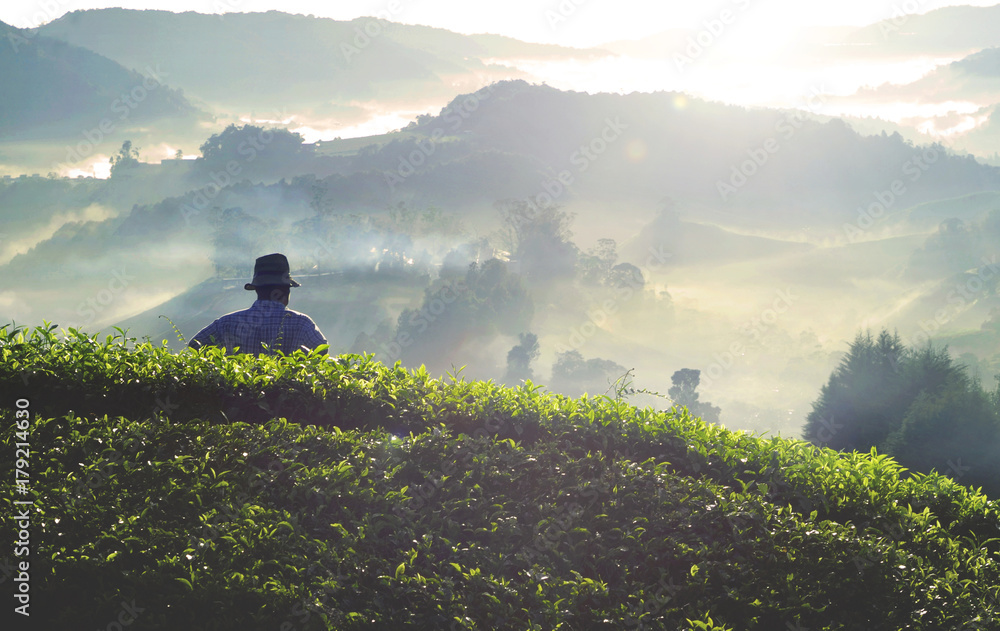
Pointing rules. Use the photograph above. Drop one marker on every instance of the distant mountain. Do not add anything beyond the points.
(974, 78)
(702, 244)
(271, 61)
(51, 87)
(967, 208)
(766, 167)
(759, 168)
(945, 30)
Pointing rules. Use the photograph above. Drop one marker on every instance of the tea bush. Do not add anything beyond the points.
(310, 492)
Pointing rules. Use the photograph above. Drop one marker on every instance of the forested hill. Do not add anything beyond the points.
(770, 166)
(254, 60)
(944, 30)
(51, 87)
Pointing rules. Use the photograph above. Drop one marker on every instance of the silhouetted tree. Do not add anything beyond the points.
(488, 301)
(865, 398)
(684, 392)
(249, 144)
(625, 275)
(598, 261)
(126, 158)
(573, 375)
(539, 240)
(519, 359)
(685, 383)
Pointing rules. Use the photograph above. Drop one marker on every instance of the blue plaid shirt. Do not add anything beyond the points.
(265, 322)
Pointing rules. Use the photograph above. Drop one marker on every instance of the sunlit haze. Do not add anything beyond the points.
(778, 174)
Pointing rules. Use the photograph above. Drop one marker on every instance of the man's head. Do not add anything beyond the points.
(277, 293)
(271, 279)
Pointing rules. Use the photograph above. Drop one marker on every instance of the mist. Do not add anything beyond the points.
(576, 218)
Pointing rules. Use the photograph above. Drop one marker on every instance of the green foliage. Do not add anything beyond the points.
(402, 501)
(917, 405)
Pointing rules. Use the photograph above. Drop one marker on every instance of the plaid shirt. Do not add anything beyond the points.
(265, 322)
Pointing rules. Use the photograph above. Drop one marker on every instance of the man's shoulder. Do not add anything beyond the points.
(239, 313)
(298, 315)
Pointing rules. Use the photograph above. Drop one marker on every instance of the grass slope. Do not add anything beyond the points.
(307, 492)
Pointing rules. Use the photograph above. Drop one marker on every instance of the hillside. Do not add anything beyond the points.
(765, 167)
(944, 30)
(253, 61)
(52, 88)
(174, 482)
(975, 78)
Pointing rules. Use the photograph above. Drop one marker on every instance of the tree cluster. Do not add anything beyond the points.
(915, 404)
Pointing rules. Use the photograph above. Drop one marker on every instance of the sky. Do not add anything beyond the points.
(567, 22)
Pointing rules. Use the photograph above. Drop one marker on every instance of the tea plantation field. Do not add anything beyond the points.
(197, 491)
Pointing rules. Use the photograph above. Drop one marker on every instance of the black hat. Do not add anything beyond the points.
(271, 270)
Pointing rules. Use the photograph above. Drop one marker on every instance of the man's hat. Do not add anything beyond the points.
(271, 270)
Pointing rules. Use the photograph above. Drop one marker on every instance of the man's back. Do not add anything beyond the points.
(266, 322)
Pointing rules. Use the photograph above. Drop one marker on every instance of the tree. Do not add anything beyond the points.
(488, 301)
(519, 359)
(573, 375)
(684, 393)
(250, 143)
(685, 383)
(625, 275)
(916, 405)
(126, 158)
(539, 240)
(865, 399)
(598, 261)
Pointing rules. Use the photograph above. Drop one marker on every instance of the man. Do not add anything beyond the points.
(267, 326)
